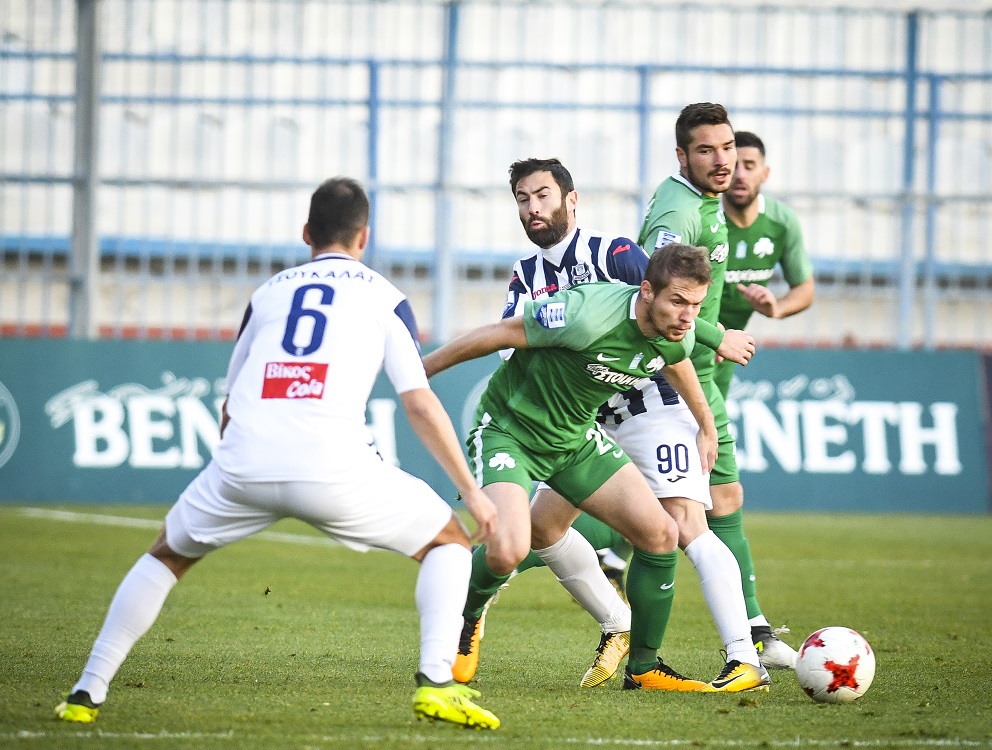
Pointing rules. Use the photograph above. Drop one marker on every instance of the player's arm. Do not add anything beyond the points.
(433, 426)
(625, 261)
(797, 270)
(506, 334)
(763, 300)
(682, 377)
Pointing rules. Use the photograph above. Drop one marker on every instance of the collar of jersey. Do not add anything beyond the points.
(679, 178)
(329, 256)
(556, 252)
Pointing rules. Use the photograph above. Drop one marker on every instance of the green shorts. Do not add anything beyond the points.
(725, 469)
(497, 456)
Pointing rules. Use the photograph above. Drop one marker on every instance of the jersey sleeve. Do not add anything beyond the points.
(707, 334)
(668, 226)
(626, 261)
(558, 321)
(516, 295)
(796, 265)
(241, 347)
(401, 361)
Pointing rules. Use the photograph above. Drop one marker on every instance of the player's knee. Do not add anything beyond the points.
(727, 498)
(659, 538)
(503, 560)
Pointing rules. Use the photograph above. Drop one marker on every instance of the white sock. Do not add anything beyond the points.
(720, 579)
(132, 611)
(442, 586)
(759, 621)
(576, 565)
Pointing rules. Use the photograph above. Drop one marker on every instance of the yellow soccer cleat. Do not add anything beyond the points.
(453, 704)
(613, 647)
(661, 677)
(78, 708)
(738, 677)
(467, 658)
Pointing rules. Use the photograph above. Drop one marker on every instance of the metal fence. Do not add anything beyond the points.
(147, 189)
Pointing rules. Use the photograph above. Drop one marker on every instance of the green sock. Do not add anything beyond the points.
(600, 535)
(482, 585)
(651, 591)
(730, 530)
(531, 561)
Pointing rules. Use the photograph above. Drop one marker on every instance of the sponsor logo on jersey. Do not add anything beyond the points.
(581, 273)
(764, 247)
(655, 364)
(551, 315)
(605, 374)
(604, 358)
(10, 425)
(720, 253)
(748, 275)
(666, 238)
(294, 379)
(544, 291)
(621, 249)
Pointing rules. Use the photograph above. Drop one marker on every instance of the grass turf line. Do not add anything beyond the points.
(327, 657)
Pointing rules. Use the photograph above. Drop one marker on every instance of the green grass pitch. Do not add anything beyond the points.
(326, 657)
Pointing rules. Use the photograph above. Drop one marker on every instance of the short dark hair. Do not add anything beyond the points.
(339, 210)
(747, 139)
(527, 167)
(678, 260)
(694, 115)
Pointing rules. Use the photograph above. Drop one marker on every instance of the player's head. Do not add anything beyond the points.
(704, 144)
(675, 284)
(751, 171)
(546, 199)
(339, 215)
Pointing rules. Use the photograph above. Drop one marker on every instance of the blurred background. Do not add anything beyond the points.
(157, 156)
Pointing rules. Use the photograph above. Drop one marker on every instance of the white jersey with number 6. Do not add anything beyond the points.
(313, 341)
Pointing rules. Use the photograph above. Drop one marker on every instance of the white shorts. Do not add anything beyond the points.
(662, 443)
(374, 505)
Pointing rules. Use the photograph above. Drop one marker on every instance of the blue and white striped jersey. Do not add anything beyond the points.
(584, 255)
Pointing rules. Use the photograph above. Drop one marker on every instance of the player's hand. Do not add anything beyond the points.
(737, 346)
(708, 445)
(483, 511)
(761, 299)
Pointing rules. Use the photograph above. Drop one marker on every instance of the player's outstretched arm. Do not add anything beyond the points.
(433, 426)
(682, 377)
(737, 346)
(506, 334)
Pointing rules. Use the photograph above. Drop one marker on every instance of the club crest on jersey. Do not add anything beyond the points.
(666, 238)
(764, 247)
(294, 380)
(655, 364)
(551, 315)
(581, 273)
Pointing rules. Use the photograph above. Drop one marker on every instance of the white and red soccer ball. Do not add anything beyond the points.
(835, 665)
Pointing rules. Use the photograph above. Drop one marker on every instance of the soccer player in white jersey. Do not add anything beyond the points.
(566, 256)
(294, 443)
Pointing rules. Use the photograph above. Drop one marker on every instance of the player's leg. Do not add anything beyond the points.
(144, 589)
(626, 502)
(719, 579)
(725, 519)
(573, 560)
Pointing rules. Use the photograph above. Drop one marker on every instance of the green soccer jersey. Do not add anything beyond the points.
(584, 345)
(678, 212)
(774, 238)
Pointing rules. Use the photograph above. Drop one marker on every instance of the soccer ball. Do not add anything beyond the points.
(835, 665)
